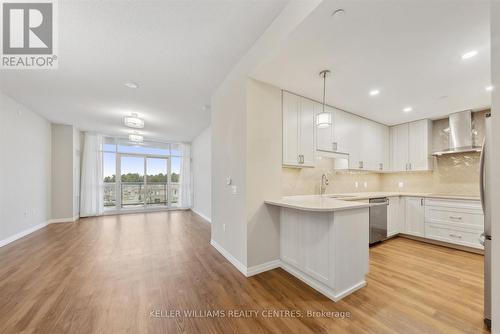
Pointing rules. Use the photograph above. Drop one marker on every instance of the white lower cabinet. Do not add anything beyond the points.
(453, 221)
(458, 222)
(395, 215)
(414, 216)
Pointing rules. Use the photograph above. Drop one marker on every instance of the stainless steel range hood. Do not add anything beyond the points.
(460, 134)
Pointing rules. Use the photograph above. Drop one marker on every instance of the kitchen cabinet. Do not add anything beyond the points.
(420, 145)
(414, 216)
(395, 215)
(399, 147)
(410, 146)
(347, 132)
(453, 221)
(298, 131)
(374, 146)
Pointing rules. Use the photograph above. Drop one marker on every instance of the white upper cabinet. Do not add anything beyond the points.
(420, 145)
(374, 138)
(399, 147)
(411, 146)
(325, 137)
(306, 132)
(347, 132)
(298, 131)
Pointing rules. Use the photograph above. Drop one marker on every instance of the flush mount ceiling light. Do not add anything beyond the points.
(469, 54)
(407, 109)
(324, 119)
(489, 88)
(131, 84)
(136, 138)
(374, 92)
(133, 121)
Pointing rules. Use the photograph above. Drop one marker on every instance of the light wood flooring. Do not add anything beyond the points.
(108, 274)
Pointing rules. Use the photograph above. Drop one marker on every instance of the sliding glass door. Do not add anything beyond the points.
(143, 181)
(132, 181)
(156, 181)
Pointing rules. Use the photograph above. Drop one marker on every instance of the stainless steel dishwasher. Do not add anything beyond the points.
(378, 219)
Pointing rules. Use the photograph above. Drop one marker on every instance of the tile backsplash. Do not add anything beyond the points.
(453, 174)
(306, 181)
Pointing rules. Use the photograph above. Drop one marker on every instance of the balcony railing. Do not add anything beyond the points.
(136, 194)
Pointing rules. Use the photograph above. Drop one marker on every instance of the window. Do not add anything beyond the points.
(149, 174)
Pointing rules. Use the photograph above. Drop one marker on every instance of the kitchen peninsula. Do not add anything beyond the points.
(324, 242)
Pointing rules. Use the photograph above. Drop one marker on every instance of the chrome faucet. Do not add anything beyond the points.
(324, 184)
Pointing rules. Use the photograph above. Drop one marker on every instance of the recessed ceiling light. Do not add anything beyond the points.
(374, 92)
(407, 109)
(469, 54)
(131, 84)
(338, 13)
(489, 88)
(136, 138)
(133, 121)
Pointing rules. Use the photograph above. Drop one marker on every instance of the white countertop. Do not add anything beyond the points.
(346, 201)
(377, 194)
(317, 203)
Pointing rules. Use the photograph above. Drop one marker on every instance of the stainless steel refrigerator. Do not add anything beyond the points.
(485, 192)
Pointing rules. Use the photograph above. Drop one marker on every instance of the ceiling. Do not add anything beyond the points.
(177, 51)
(409, 50)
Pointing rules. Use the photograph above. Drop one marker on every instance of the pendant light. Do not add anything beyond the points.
(324, 119)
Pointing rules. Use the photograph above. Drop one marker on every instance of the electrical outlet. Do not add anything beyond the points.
(365, 184)
(356, 184)
(401, 184)
(234, 190)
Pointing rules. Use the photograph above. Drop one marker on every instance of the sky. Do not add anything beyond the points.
(136, 164)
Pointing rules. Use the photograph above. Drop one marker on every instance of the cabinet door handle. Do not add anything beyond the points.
(421, 202)
(361, 164)
(406, 166)
(455, 236)
(455, 218)
(410, 165)
(381, 166)
(335, 146)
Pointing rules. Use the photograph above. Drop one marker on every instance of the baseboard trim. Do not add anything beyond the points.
(202, 215)
(63, 220)
(320, 287)
(240, 266)
(260, 268)
(22, 234)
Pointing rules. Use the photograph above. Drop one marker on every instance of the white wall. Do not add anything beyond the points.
(201, 155)
(495, 112)
(264, 138)
(62, 172)
(229, 141)
(25, 166)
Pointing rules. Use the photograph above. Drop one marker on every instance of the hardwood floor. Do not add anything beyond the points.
(111, 274)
